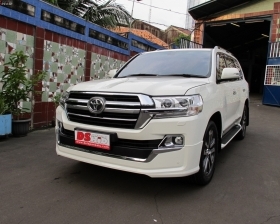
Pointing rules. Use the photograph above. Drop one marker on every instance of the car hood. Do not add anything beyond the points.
(153, 86)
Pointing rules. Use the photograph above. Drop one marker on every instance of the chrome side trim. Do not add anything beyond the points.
(237, 131)
(143, 119)
(150, 158)
(165, 110)
(146, 101)
(102, 118)
(153, 154)
(231, 126)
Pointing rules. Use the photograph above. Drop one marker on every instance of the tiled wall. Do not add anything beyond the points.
(101, 65)
(12, 41)
(64, 65)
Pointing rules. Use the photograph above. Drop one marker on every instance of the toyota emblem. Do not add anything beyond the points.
(96, 105)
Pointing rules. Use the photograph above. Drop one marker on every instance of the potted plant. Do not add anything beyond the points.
(18, 88)
(5, 118)
(56, 100)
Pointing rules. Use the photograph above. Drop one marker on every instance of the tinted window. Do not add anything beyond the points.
(233, 63)
(170, 63)
(230, 62)
(221, 64)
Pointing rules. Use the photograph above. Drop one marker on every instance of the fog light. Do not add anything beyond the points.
(171, 141)
(179, 140)
(168, 142)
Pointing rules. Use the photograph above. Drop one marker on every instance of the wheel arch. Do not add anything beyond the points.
(217, 119)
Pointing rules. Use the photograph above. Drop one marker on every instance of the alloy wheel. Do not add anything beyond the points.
(209, 152)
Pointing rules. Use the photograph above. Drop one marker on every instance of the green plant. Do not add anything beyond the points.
(3, 106)
(56, 99)
(17, 87)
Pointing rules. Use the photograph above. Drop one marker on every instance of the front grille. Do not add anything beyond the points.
(121, 111)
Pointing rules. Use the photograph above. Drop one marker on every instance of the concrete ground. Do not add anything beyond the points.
(37, 186)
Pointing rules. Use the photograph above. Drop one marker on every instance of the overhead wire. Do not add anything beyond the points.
(169, 10)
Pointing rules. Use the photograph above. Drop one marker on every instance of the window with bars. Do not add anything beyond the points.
(272, 75)
(274, 51)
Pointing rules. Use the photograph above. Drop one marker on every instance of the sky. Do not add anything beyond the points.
(166, 17)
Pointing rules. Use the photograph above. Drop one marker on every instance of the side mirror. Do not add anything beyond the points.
(111, 73)
(230, 73)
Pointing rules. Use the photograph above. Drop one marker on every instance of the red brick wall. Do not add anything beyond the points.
(275, 34)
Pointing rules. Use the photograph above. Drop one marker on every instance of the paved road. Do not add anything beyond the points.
(36, 186)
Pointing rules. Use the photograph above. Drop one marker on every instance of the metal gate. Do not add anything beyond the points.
(271, 94)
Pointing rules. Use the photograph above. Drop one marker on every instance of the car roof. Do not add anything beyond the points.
(178, 50)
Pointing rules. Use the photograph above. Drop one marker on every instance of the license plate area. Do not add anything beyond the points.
(94, 139)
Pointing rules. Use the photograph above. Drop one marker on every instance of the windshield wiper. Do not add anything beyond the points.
(140, 74)
(189, 75)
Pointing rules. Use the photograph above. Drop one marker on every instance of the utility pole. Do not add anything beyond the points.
(150, 14)
(132, 14)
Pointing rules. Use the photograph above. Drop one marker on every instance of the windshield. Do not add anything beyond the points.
(190, 63)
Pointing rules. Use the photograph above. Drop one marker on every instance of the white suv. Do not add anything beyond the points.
(164, 114)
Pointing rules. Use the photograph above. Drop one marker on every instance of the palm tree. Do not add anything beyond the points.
(107, 14)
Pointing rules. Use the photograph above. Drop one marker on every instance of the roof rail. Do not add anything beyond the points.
(220, 48)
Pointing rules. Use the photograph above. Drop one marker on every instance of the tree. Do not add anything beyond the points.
(177, 40)
(106, 14)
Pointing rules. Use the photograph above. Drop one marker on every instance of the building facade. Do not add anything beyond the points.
(166, 36)
(251, 31)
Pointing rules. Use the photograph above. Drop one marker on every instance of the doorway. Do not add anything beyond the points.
(248, 41)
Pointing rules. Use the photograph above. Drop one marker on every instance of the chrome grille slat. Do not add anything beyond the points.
(129, 104)
(122, 110)
(107, 109)
(79, 107)
(103, 118)
(70, 100)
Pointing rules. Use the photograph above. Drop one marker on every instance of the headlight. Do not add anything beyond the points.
(63, 99)
(177, 106)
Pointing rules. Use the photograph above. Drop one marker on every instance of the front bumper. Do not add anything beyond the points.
(173, 162)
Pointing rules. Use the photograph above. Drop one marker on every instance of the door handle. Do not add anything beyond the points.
(234, 92)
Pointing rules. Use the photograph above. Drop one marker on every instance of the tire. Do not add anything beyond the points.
(208, 155)
(242, 133)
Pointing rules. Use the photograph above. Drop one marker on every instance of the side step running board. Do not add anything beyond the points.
(230, 135)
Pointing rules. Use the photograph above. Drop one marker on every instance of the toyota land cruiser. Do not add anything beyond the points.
(165, 113)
